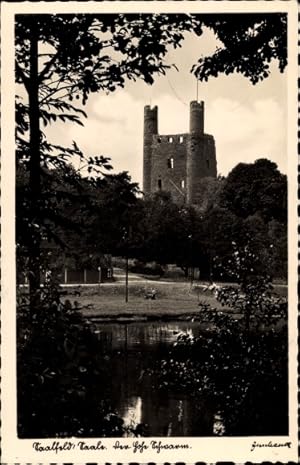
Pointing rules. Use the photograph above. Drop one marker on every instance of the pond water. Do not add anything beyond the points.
(133, 348)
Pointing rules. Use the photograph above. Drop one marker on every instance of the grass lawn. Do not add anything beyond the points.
(177, 299)
(171, 299)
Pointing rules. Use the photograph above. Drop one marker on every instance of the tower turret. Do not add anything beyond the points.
(150, 128)
(197, 117)
(200, 154)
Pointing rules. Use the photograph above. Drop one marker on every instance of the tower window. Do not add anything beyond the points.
(182, 184)
(170, 140)
(180, 139)
(207, 163)
(171, 162)
(159, 184)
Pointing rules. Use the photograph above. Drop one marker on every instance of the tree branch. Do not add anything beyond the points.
(71, 86)
(23, 76)
(47, 67)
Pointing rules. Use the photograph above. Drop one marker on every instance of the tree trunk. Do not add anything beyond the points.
(34, 174)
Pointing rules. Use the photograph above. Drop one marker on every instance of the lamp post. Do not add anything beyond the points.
(99, 277)
(125, 239)
(190, 237)
(126, 277)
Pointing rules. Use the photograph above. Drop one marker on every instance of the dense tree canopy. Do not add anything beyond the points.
(256, 188)
(88, 53)
(167, 230)
(250, 206)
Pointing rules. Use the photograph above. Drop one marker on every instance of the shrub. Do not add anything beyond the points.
(152, 268)
(59, 379)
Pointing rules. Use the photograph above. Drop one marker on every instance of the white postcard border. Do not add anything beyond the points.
(199, 449)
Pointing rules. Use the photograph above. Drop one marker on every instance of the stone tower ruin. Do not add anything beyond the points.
(177, 162)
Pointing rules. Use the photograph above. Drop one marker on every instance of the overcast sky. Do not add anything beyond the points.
(247, 121)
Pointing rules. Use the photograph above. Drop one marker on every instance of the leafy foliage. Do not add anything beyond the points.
(83, 218)
(59, 379)
(253, 298)
(254, 188)
(248, 44)
(239, 362)
(91, 53)
(98, 52)
(65, 208)
(248, 206)
(112, 214)
(241, 381)
(163, 231)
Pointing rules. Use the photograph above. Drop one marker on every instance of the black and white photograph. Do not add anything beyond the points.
(149, 238)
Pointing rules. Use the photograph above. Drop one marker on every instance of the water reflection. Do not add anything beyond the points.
(132, 348)
(131, 335)
(218, 427)
(132, 411)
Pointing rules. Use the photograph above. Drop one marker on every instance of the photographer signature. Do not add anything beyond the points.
(270, 444)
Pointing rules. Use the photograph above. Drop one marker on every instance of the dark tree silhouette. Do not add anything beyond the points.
(249, 43)
(257, 187)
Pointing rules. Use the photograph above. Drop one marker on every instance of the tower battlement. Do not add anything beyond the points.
(177, 162)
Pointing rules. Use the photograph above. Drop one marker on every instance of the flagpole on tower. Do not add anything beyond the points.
(197, 88)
